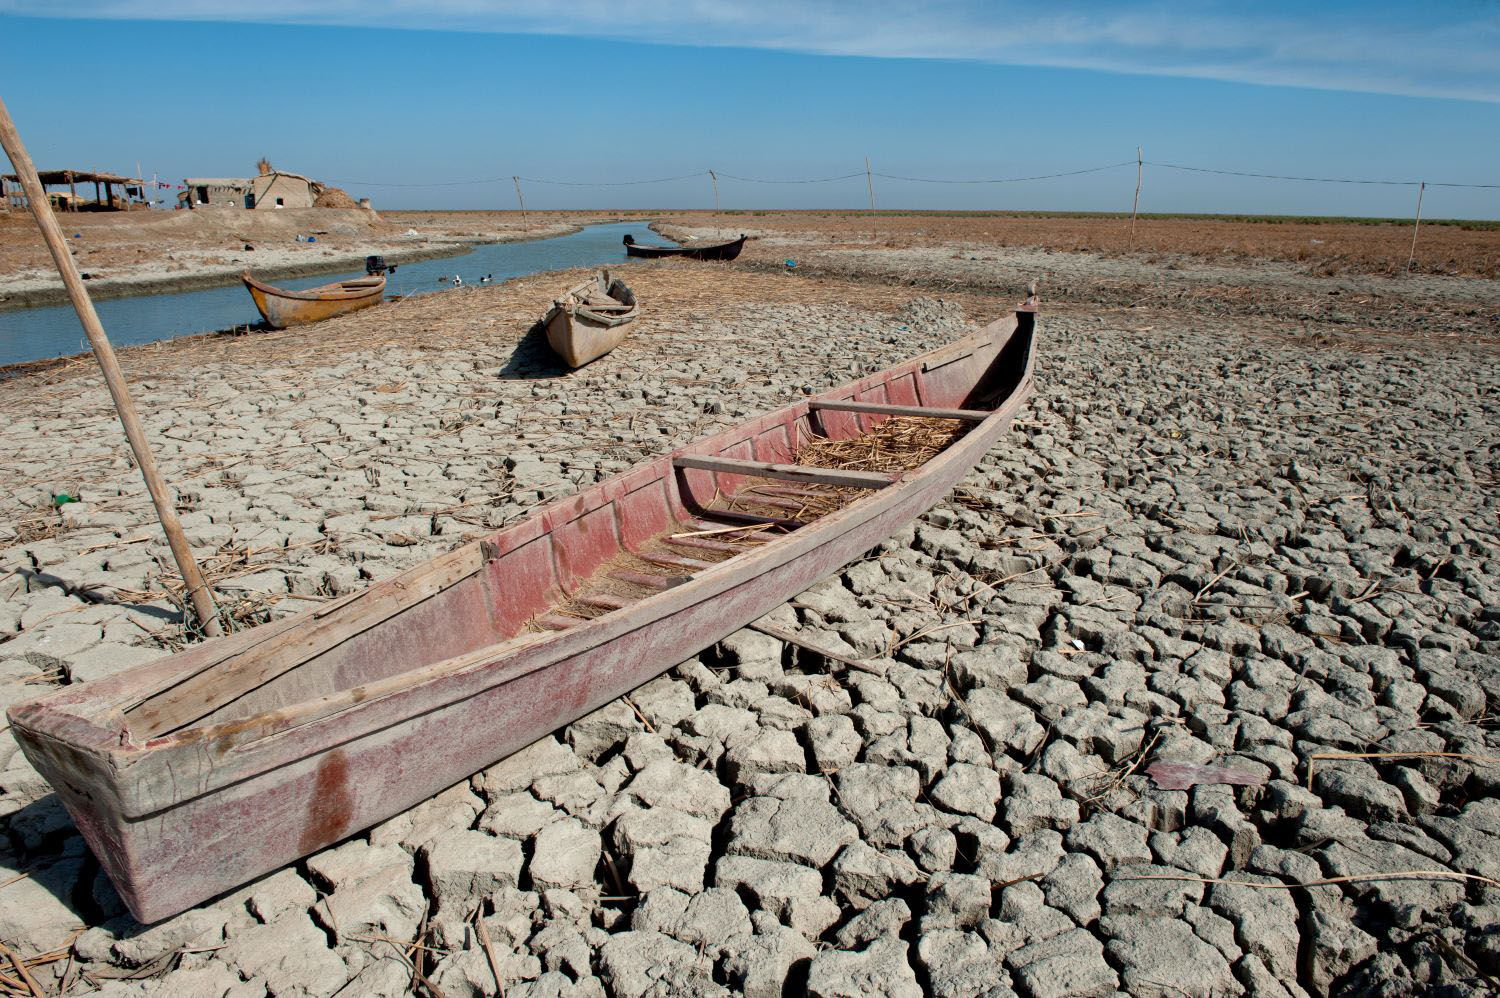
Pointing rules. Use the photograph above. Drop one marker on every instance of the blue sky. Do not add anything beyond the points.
(469, 89)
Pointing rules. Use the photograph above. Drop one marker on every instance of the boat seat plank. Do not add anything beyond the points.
(786, 472)
(706, 544)
(736, 533)
(775, 502)
(603, 601)
(673, 561)
(735, 516)
(785, 492)
(558, 622)
(886, 409)
(648, 581)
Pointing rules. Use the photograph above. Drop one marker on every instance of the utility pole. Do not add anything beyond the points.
(715, 179)
(520, 199)
(1421, 188)
(1136, 204)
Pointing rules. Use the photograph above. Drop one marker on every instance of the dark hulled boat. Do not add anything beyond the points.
(719, 251)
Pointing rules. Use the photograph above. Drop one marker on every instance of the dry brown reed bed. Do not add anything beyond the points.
(1322, 246)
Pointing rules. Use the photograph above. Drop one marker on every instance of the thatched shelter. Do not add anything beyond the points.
(132, 190)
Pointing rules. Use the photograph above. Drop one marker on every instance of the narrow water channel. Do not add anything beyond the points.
(53, 330)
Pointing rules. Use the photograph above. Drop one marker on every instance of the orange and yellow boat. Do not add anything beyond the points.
(282, 308)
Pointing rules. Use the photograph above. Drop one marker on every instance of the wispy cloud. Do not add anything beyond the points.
(1448, 52)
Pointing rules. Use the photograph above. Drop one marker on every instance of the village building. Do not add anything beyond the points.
(218, 192)
(285, 190)
(130, 197)
(269, 190)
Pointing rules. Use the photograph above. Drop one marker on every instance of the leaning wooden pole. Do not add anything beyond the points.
(197, 590)
(1410, 257)
(520, 200)
(1136, 204)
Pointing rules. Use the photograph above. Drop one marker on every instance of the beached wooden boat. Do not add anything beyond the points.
(198, 772)
(591, 319)
(282, 308)
(719, 251)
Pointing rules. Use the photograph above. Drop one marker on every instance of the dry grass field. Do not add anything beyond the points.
(1327, 246)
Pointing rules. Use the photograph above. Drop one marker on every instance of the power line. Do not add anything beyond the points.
(436, 183)
(1315, 180)
(615, 183)
(816, 180)
(1009, 180)
(920, 180)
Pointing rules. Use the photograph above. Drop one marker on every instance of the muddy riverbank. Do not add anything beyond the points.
(159, 253)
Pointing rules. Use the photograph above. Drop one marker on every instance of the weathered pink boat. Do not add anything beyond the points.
(193, 774)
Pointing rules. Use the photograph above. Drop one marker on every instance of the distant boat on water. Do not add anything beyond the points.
(719, 251)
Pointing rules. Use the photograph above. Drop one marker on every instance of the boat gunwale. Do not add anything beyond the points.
(44, 718)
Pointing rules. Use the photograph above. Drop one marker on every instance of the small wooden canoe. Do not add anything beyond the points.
(719, 251)
(591, 319)
(193, 774)
(281, 308)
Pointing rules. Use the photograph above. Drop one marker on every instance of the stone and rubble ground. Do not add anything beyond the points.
(1209, 539)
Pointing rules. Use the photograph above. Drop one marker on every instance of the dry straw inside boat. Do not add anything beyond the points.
(897, 445)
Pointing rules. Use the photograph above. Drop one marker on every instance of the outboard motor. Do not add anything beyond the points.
(629, 239)
(375, 265)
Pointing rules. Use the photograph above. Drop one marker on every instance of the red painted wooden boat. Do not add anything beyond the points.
(193, 774)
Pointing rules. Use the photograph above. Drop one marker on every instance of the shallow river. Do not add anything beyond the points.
(53, 330)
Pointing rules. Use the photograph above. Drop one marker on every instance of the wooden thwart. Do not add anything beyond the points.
(784, 491)
(604, 601)
(735, 516)
(755, 498)
(884, 409)
(648, 581)
(673, 561)
(708, 528)
(786, 472)
(706, 544)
